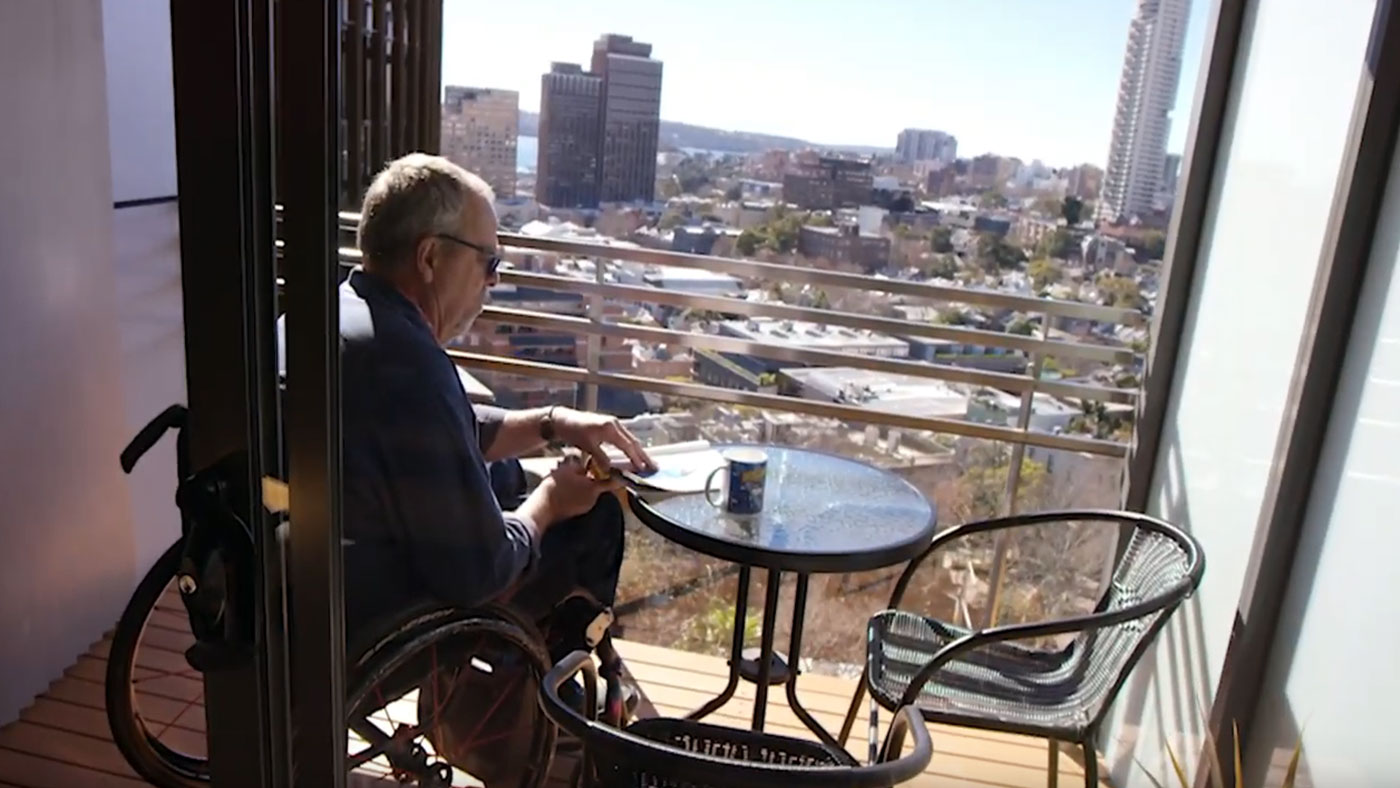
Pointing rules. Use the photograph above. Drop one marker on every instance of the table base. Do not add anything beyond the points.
(764, 667)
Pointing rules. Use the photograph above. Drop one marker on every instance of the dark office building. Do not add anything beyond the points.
(567, 167)
(831, 183)
(630, 119)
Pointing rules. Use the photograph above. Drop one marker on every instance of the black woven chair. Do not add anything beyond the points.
(678, 753)
(985, 680)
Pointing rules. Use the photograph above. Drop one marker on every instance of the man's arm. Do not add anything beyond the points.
(510, 433)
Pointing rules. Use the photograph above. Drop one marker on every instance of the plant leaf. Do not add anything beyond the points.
(1180, 772)
(1293, 762)
(1239, 768)
(1155, 782)
(1217, 773)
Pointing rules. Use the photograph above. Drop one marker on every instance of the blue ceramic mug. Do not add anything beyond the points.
(745, 475)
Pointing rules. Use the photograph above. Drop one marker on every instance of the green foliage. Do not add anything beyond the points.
(983, 487)
(1072, 209)
(1216, 772)
(1043, 273)
(671, 221)
(747, 243)
(1021, 326)
(767, 379)
(993, 199)
(713, 630)
(734, 192)
(670, 188)
(820, 220)
(821, 301)
(1121, 291)
(941, 240)
(995, 251)
(1154, 244)
(944, 266)
(1059, 244)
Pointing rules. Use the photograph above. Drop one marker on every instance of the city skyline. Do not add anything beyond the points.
(1034, 95)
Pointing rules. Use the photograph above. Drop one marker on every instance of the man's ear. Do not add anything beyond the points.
(425, 258)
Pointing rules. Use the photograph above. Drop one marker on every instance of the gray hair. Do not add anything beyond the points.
(414, 196)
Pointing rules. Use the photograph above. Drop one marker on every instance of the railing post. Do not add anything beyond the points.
(595, 340)
(1013, 479)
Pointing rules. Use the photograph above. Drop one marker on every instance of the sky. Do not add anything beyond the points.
(1036, 79)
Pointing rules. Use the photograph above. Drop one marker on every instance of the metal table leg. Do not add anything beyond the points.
(736, 651)
(765, 649)
(799, 614)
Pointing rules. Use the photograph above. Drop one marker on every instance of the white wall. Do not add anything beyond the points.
(1331, 671)
(146, 250)
(141, 110)
(1281, 151)
(65, 539)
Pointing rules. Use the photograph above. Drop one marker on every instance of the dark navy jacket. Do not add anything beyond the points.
(420, 520)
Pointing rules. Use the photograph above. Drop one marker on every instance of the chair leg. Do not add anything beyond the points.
(1052, 768)
(1091, 764)
(850, 720)
(874, 733)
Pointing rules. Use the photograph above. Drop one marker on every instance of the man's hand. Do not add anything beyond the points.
(592, 431)
(567, 492)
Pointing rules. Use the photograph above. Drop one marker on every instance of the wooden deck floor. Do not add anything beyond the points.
(62, 741)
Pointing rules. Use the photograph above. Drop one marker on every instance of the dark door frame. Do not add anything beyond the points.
(221, 53)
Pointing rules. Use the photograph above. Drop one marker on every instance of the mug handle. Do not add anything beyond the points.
(709, 488)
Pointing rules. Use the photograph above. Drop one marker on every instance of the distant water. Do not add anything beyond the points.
(527, 152)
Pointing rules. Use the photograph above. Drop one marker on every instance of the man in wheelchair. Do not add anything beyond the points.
(435, 506)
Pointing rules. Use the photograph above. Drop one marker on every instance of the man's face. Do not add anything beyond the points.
(459, 281)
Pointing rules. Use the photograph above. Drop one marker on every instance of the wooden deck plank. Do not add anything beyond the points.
(65, 747)
(62, 739)
(32, 771)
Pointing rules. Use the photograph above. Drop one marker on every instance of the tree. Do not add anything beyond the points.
(747, 243)
(734, 192)
(1059, 244)
(993, 249)
(993, 199)
(1154, 244)
(1072, 209)
(820, 220)
(942, 266)
(671, 221)
(1119, 291)
(1021, 326)
(1043, 273)
(670, 188)
(942, 240)
(821, 301)
(1048, 205)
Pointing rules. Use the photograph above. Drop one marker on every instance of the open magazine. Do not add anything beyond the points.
(682, 468)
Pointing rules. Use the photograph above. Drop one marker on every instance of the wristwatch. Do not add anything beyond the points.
(547, 433)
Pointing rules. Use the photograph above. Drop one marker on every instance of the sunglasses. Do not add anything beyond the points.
(493, 260)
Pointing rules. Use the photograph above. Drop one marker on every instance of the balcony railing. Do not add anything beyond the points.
(594, 325)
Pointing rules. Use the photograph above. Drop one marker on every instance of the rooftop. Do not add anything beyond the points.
(801, 333)
(907, 395)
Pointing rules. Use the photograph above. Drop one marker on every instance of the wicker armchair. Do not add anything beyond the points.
(680, 753)
(984, 679)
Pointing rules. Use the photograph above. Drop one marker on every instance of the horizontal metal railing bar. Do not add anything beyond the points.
(972, 429)
(798, 274)
(1000, 380)
(887, 325)
(791, 273)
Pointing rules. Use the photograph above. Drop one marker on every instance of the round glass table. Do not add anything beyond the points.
(822, 514)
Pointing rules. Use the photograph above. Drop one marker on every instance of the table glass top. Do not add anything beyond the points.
(814, 503)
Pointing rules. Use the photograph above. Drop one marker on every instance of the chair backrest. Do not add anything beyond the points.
(1161, 566)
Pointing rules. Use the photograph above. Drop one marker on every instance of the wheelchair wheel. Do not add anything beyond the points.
(153, 697)
(449, 697)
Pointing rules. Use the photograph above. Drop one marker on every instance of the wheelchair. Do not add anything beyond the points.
(402, 679)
